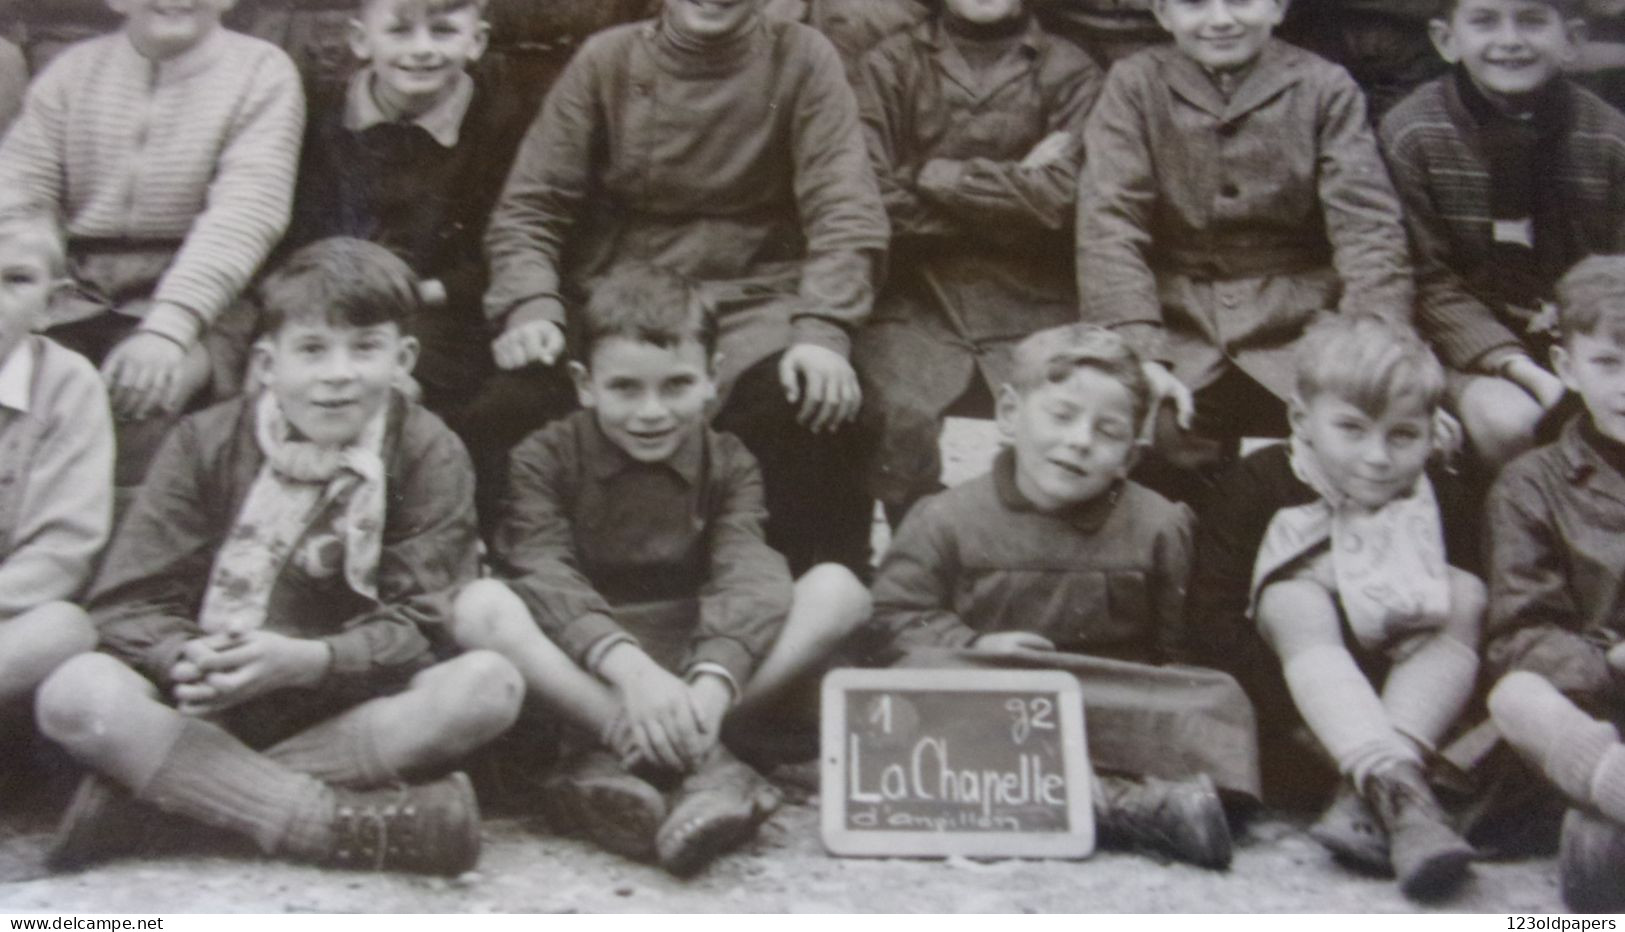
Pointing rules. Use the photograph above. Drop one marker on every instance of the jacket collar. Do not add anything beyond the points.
(1584, 465)
(605, 460)
(1088, 517)
(17, 376)
(443, 122)
(933, 34)
(1278, 67)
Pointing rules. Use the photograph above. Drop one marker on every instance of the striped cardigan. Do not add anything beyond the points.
(199, 150)
(1436, 158)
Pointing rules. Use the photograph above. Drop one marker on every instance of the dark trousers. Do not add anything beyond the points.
(1185, 465)
(818, 511)
(491, 420)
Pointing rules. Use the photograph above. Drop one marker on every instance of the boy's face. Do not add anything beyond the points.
(26, 286)
(1072, 439)
(984, 11)
(1509, 47)
(709, 18)
(1220, 35)
(161, 29)
(647, 398)
(331, 381)
(1372, 460)
(416, 53)
(1592, 365)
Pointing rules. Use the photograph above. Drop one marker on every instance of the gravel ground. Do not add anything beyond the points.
(523, 869)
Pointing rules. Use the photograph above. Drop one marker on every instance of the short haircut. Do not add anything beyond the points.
(431, 7)
(341, 282)
(1052, 356)
(1368, 361)
(39, 222)
(1568, 9)
(648, 304)
(1591, 297)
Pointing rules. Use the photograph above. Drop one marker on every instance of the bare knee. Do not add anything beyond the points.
(1517, 690)
(487, 614)
(41, 639)
(1468, 600)
(476, 694)
(1500, 419)
(78, 702)
(1294, 615)
(840, 600)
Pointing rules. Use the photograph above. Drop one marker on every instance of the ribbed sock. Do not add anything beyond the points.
(1427, 690)
(1341, 708)
(211, 777)
(342, 751)
(1552, 733)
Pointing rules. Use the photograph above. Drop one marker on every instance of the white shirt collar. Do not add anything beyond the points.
(17, 377)
(443, 122)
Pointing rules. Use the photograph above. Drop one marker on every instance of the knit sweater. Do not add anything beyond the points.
(199, 151)
(1436, 155)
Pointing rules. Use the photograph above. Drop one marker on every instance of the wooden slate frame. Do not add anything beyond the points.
(842, 840)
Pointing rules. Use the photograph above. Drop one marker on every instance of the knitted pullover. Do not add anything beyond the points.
(199, 150)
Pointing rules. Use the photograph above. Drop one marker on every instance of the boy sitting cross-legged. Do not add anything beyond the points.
(1557, 593)
(1057, 560)
(1335, 546)
(642, 601)
(262, 611)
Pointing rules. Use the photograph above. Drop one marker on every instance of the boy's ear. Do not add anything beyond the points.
(1159, 9)
(583, 380)
(1444, 40)
(406, 354)
(482, 40)
(1575, 29)
(1009, 408)
(356, 34)
(1563, 365)
(261, 357)
(1296, 413)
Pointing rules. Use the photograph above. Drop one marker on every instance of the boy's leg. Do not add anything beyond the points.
(818, 510)
(507, 408)
(1499, 417)
(1428, 687)
(109, 719)
(37, 642)
(448, 711)
(488, 616)
(830, 603)
(1582, 757)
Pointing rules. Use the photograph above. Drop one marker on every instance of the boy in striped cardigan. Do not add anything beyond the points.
(170, 148)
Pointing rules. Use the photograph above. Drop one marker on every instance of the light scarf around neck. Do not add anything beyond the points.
(1389, 562)
(295, 487)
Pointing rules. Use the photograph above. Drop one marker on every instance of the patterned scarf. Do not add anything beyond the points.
(1389, 562)
(296, 487)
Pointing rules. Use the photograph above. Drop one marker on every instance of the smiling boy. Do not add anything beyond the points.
(264, 612)
(1510, 174)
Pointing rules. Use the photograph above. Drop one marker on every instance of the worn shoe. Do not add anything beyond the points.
(593, 795)
(1351, 832)
(717, 809)
(1429, 858)
(1182, 819)
(432, 828)
(1591, 860)
(104, 822)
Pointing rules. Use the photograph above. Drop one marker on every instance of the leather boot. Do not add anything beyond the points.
(1429, 858)
(1591, 860)
(717, 809)
(1352, 833)
(1182, 819)
(594, 796)
(432, 828)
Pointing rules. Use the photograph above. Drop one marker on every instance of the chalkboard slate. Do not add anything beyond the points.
(933, 763)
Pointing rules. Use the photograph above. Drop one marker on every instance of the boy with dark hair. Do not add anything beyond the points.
(725, 145)
(56, 447)
(266, 609)
(1510, 174)
(412, 154)
(974, 120)
(1233, 193)
(1336, 548)
(1383, 43)
(1056, 559)
(1557, 592)
(641, 601)
(170, 148)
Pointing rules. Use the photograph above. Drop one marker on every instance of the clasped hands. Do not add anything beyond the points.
(217, 671)
(662, 721)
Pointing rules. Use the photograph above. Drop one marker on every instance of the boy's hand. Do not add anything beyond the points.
(143, 375)
(823, 382)
(712, 698)
(257, 663)
(1051, 149)
(533, 341)
(1616, 657)
(1007, 642)
(1165, 387)
(432, 292)
(661, 721)
(1546, 388)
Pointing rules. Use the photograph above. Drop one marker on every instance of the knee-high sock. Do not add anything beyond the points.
(1427, 690)
(1343, 711)
(211, 777)
(1580, 755)
(342, 751)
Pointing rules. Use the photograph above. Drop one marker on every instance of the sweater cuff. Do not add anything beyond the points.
(583, 634)
(595, 654)
(175, 323)
(726, 653)
(351, 653)
(703, 668)
(821, 332)
(530, 310)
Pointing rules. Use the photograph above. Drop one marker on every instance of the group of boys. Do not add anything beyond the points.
(765, 274)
